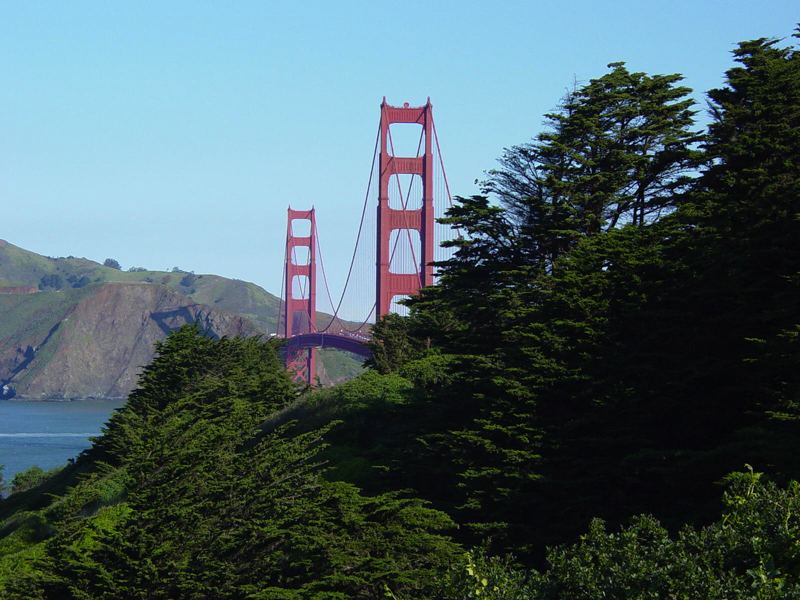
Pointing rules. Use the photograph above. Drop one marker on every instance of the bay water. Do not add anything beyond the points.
(48, 434)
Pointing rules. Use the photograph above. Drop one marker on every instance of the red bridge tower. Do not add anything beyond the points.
(403, 219)
(300, 311)
(406, 224)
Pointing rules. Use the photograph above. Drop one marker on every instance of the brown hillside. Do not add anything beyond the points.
(97, 346)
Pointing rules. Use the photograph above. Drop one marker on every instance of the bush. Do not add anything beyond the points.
(30, 478)
(52, 281)
(78, 282)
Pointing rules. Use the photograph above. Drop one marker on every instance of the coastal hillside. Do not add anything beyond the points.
(22, 270)
(93, 341)
(74, 328)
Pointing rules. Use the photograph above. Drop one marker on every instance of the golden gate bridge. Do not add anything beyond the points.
(398, 233)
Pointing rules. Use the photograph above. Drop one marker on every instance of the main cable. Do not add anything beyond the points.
(358, 237)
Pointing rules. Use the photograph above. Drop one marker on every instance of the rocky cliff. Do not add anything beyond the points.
(94, 341)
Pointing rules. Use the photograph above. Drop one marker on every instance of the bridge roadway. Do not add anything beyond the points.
(329, 340)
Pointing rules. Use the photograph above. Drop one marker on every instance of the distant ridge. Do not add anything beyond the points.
(19, 267)
(73, 328)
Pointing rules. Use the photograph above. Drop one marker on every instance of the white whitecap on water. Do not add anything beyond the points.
(46, 435)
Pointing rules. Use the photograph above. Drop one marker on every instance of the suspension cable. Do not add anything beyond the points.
(283, 300)
(444, 173)
(358, 237)
(324, 279)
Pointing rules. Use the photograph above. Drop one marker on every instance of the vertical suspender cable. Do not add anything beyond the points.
(360, 228)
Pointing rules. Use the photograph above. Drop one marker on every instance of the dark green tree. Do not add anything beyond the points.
(619, 149)
(195, 497)
(753, 137)
(30, 477)
(78, 282)
(645, 361)
(191, 361)
(204, 520)
(658, 357)
(52, 281)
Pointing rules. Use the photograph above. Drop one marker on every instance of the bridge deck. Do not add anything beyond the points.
(329, 340)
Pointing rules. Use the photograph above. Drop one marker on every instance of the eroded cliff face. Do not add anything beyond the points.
(97, 345)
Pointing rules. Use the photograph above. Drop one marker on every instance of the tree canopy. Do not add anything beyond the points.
(185, 495)
(649, 351)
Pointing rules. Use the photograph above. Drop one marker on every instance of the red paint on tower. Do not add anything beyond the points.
(390, 285)
(300, 312)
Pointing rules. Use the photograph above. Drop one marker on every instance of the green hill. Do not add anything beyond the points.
(72, 327)
(19, 267)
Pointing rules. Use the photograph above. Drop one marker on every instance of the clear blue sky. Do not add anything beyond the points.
(169, 134)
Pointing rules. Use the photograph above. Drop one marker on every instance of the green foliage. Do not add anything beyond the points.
(263, 525)
(31, 477)
(205, 374)
(618, 150)
(371, 418)
(752, 552)
(52, 281)
(186, 496)
(188, 279)
(111, 263)
(21, 547)
(391, 345)
(755, 132)
(484, 577)
(77, 281)
(608, 369)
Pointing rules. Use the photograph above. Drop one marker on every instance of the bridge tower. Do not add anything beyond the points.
(300, 307)
(404, 219)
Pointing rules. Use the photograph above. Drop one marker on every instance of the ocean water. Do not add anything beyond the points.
(48, 434)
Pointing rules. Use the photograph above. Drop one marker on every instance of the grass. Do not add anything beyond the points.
(33, 315)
